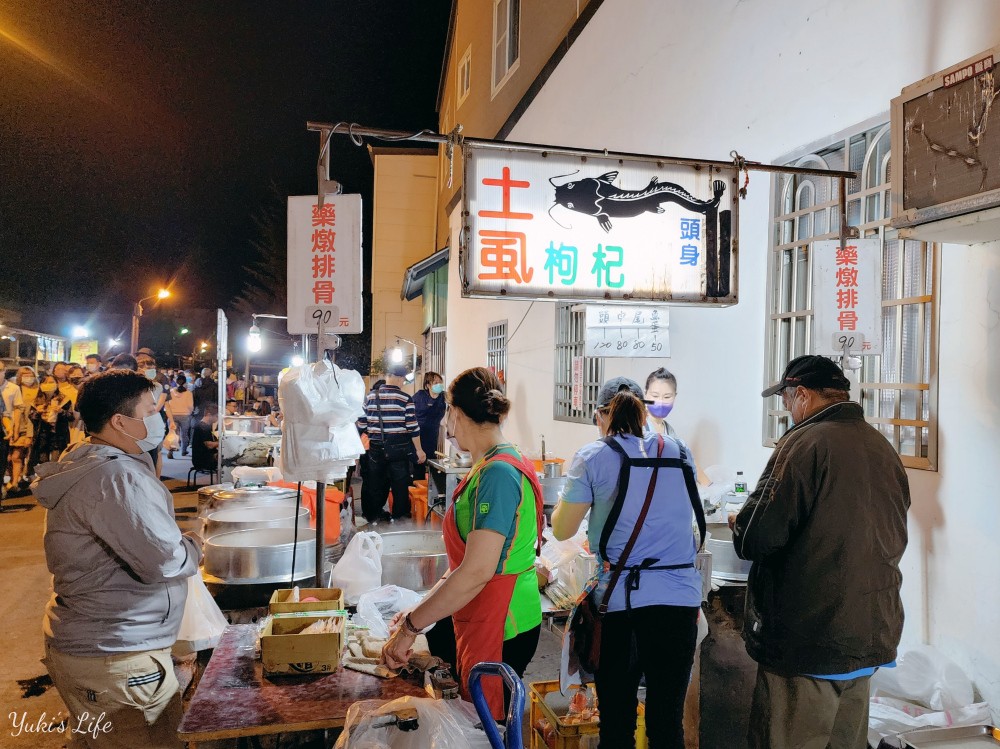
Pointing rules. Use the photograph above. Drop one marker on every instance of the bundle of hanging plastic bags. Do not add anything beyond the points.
(321, 404)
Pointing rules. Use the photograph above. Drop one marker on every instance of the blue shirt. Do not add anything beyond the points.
(593, 479)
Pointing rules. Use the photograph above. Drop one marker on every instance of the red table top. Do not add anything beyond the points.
(234, 698)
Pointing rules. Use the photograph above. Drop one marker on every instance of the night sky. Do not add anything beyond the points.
(138, 140)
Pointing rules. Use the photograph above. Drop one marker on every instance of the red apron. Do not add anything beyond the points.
(480, 623)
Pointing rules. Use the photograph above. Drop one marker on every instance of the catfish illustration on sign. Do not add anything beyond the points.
(598, 197)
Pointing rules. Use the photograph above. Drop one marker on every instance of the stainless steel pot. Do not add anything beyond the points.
(252, 496)
(246, 518)
(551, 486)
(261, 555)
(206, 493)
(726, 565)
(413, 559)
(552, 469)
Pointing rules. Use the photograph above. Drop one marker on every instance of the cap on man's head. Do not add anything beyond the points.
(396, 370)
(810, 371)
(615, 385)
(145, 350)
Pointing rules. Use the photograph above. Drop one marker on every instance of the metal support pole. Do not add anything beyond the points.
(136, 314)
(321, 581)
(327, 129)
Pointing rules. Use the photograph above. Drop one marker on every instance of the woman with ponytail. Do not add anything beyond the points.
(639, 490)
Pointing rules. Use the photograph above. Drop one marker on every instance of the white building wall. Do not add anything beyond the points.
(764, 78)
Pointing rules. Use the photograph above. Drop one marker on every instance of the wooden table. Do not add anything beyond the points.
(235, 700)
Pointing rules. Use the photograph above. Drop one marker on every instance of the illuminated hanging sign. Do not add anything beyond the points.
(847, 296)
(594, 229)
(324, 264)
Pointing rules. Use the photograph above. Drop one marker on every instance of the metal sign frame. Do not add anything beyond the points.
(719, 217)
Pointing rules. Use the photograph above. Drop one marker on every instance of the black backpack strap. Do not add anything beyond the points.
(622, 490)
(692, 487)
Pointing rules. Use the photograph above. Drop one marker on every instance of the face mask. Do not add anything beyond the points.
(92, 368)
(451, 438)
(437, 389)
(151, 374)
(28, 381)
(156, 430)
(48, 388)
(660, 410)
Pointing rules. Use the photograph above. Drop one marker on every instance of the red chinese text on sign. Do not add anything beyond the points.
(506, 183)
(323, 292)
(503, 257)
(325, 216)
(323, 239)
(323, 266)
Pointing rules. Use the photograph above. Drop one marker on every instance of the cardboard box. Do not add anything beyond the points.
(329, 598)
(284, 651)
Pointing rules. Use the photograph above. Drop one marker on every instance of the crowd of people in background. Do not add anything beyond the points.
(39, 418)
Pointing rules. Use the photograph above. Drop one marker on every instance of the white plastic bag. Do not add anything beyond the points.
(203, 622)
(890, 717)
(359, 571)
(171, 441)
(378, 607)
(925, 676)
(441, 724)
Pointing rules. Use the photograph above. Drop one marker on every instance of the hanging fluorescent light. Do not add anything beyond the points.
(254, 340)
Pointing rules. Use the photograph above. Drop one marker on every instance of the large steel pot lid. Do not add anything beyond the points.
(255, 492)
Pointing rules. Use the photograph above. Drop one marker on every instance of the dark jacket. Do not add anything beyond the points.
(207, 392)
(825, 529)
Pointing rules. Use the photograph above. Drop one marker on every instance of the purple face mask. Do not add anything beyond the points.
(660, 410)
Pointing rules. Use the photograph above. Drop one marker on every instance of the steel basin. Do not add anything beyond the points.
(725, 564)
(413, 559)
(551, 486)
(243, 518)
(261, 555)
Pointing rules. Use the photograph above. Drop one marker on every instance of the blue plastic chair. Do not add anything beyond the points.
(515, 712)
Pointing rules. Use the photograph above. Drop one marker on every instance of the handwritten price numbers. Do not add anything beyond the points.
(322, 316)
(852, 342)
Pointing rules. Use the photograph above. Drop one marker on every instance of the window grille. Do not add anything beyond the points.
(496, 350)
(506, 40)
(898, 388)
(571, 330)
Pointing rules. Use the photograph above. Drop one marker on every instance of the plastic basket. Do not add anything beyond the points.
(570, 736)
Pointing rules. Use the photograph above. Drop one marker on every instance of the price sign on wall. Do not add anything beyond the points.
(630, 332)
(847, 296)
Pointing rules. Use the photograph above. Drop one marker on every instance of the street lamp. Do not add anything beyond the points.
(184, 331)
(254, 341)
(137, 313)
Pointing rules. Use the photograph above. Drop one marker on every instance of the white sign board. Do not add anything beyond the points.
(222, 335)
(324, 264)
(635, 332)
(847, 296)
(562, 227)
(576, 386)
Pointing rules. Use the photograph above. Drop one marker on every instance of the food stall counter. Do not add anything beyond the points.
(234, 698)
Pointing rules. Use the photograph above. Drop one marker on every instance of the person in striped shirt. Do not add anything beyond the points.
(390, 421)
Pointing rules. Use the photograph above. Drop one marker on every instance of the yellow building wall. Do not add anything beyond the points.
(544, 25)
(403, 228)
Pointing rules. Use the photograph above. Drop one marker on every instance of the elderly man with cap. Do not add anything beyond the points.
(825, 529)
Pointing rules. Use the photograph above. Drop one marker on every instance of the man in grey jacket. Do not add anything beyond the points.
(120, 567)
